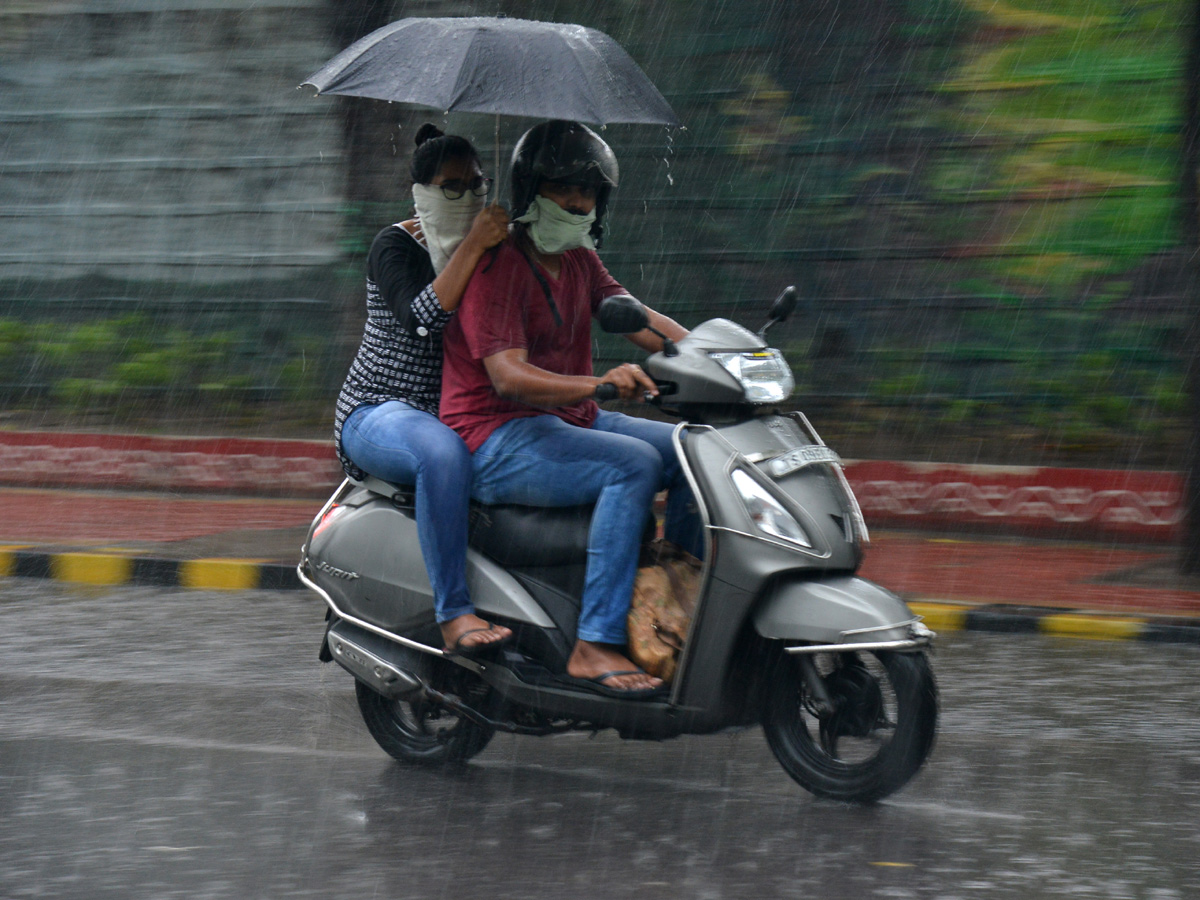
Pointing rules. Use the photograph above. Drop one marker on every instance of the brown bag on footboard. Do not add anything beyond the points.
(664, 599)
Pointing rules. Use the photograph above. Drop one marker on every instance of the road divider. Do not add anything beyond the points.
(112, 569)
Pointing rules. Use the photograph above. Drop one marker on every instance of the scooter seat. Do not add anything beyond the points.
(512, 534)
(515, 535)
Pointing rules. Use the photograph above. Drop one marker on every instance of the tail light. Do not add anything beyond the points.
(328, 518)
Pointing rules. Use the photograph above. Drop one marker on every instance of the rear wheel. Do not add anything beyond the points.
(877, 734)
(421, 731)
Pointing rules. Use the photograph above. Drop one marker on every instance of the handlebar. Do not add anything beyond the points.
(606, 392)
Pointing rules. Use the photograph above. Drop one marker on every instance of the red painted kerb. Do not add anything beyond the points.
(1134, 505)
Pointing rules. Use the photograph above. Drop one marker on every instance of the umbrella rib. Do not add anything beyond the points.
(459, 89)
(598, 116)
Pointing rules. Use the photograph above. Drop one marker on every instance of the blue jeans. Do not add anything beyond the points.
(398, 443)
(619, 464)
(682, 523)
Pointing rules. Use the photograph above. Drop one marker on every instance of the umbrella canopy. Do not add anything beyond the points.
(513, 67)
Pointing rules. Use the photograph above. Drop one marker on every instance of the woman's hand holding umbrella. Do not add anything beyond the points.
(489, 228)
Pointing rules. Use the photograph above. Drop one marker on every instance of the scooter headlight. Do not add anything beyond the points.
(766, 512)
(764, 375)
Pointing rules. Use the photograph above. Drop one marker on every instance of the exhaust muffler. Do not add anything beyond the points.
(373, 661)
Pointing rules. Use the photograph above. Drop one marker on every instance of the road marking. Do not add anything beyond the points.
(101, 735)
(943, 809)
(174, 849)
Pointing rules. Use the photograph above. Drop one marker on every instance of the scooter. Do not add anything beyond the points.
(784, 634)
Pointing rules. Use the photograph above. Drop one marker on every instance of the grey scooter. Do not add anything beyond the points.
(784, 634)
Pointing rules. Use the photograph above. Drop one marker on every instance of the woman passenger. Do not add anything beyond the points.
(386, 422)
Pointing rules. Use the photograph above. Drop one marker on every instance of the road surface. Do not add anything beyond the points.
(158, 744)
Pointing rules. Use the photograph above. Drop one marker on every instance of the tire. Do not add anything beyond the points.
(420, 731)
(879, 734)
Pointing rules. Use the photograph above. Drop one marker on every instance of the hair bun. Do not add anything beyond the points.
(428, 132)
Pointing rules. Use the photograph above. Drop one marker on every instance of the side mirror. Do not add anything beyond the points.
(622, 314)
(781, 308)
(783, 305)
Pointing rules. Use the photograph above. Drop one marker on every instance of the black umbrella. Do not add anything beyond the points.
(512, 67)
(507, 67)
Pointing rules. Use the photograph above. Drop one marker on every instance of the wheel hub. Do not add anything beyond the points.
(858, 706)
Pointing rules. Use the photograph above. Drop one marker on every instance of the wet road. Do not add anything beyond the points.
(179, 744)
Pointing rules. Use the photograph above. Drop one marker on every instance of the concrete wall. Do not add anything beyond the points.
(165, 140)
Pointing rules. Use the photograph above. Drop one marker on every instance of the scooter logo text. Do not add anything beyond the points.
(336, 572)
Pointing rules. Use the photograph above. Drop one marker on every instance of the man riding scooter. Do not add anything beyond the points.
(518, 387)
(784, 634)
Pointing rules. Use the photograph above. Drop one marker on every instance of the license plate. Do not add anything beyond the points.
(799, 458)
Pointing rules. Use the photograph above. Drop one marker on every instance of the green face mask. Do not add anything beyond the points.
(554, 230)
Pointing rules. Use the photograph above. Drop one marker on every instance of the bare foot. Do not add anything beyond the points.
(590, 660)
(469, 632)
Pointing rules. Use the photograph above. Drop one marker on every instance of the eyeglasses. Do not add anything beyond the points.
(478, 186)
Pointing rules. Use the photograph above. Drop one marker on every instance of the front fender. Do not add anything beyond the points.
(832, 609)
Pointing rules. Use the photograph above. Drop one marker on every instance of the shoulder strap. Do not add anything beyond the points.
(545, 287)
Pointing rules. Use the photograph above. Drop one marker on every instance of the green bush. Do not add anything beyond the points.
(131, 367)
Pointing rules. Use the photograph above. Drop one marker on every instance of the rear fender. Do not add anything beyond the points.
(368, 563)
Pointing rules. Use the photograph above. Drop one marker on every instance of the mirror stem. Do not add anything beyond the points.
(669, 348)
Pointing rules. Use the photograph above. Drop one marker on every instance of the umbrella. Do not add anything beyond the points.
(510, 67)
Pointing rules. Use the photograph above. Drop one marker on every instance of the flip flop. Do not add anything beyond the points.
(475, 650)
(597, 686)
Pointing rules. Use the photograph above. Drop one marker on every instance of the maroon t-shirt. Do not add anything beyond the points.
(505, 308)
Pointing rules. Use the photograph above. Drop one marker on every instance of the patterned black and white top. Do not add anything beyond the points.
(400, 357)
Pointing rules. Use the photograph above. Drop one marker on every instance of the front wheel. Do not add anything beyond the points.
(874, 736)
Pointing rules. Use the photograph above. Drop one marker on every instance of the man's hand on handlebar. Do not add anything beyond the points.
(630, 382)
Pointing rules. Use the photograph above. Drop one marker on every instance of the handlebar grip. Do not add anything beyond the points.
(606, 392)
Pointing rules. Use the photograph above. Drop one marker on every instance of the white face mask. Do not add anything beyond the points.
(444, 222)
(554, 230)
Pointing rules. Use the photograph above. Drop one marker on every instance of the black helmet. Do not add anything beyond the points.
(568, 152)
